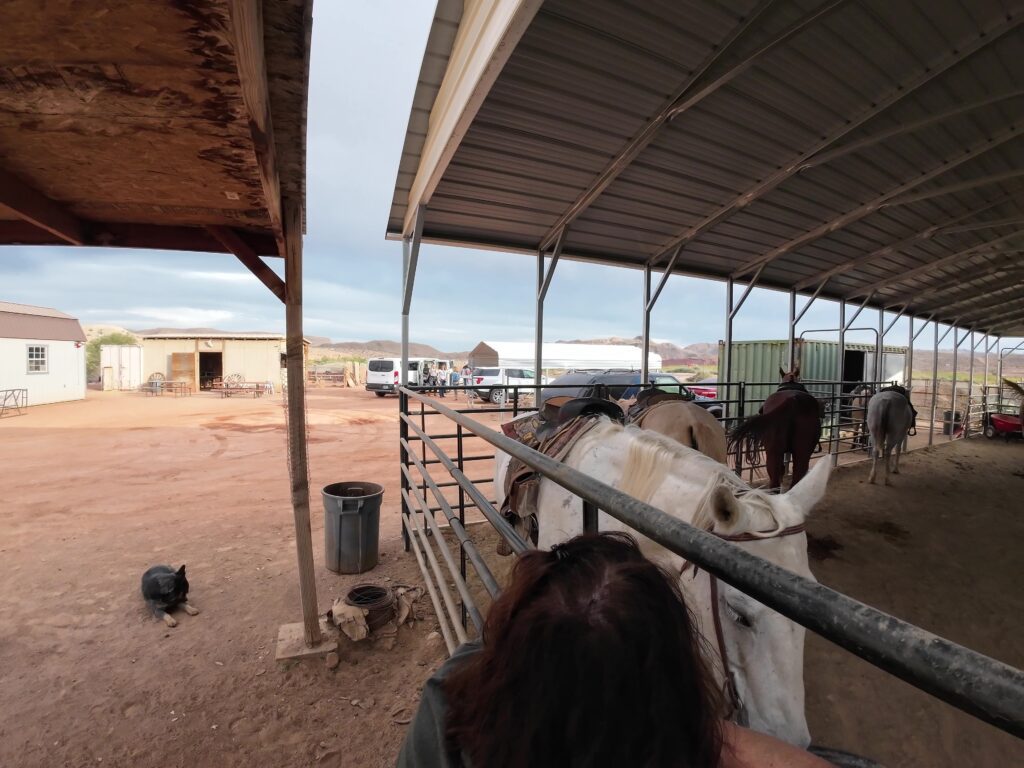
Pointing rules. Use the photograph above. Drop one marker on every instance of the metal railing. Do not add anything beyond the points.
(979, 685)
(13, 400)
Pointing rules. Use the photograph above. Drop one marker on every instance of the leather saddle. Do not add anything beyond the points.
(553, 431)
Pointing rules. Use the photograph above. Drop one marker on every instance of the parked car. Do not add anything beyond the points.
(622, 385)
(707, 388)
(491, 383)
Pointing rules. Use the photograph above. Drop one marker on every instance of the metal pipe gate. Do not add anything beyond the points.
(979, 685)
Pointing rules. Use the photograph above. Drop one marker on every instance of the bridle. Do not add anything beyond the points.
(729, 686)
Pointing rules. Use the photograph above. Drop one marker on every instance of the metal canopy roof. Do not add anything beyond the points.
(866, 148)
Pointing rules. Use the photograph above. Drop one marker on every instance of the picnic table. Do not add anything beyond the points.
(227, 389)
(176, 388)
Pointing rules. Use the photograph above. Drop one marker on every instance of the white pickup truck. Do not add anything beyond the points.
(493, 383)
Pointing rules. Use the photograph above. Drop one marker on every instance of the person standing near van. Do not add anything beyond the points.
(442, 379)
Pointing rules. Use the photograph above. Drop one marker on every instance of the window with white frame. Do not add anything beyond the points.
(37, 358)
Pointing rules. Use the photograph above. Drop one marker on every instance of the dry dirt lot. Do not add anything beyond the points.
(97, 491)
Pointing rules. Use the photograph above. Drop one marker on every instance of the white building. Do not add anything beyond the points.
(202, 358)
(41, 351)
(585, 357)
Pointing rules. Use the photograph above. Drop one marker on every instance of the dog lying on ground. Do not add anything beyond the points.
(164, 588)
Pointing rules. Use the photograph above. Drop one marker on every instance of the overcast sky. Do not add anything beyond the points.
(365, 61)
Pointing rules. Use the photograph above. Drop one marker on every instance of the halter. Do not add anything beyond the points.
(729, 686)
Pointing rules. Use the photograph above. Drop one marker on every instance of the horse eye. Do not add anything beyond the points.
(738, 617)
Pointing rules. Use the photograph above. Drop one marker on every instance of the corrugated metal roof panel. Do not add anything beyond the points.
(585, 80)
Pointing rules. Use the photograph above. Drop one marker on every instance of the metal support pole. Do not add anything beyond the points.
(840, 377)
(952, 406)
(935, 379)
(645, 342)
(879, 345)
(543, 283)
(410, 258)
(791, 352)
(970, 385)
(538, 331)
(725, 363)
(909, 359)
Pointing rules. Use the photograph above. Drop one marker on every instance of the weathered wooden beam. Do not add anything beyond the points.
(247, 25)
(33, 206)
(121, 235)
(245, 254)
(298, 460)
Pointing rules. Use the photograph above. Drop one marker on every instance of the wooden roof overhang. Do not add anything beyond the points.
(177, 126)
(174, 126)
(849, 148)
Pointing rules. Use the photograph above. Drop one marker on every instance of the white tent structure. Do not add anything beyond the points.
(521, 354)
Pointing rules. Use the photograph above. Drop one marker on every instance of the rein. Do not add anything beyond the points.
(729, 687)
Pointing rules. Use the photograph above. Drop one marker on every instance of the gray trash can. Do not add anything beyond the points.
(351, 526)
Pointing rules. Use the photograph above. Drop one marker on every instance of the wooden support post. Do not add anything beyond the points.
(313, 642)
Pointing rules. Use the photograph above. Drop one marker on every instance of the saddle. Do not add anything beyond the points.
(903, 391)
(648, 399)
(553, 431)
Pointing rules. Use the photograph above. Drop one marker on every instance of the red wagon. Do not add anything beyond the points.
(1006, 424)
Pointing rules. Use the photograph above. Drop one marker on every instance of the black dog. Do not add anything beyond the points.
(164, 588)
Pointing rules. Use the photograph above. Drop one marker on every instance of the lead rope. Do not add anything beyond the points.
(729, 689)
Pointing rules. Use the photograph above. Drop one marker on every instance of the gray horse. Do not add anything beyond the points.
(890, 418)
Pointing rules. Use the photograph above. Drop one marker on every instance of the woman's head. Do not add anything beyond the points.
(590, 658)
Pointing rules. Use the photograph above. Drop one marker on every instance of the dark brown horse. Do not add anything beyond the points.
(788, 422)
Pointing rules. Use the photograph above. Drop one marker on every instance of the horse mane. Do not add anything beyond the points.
(649, 461)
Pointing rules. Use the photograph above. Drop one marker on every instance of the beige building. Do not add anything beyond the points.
(202, 359)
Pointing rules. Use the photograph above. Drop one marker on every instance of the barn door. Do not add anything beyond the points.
(183, 368)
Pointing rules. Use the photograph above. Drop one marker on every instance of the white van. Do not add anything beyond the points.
(382, 372)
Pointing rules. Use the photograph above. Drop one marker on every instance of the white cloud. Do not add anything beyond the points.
(184, 316)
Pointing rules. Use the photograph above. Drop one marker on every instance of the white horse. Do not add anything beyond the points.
(764, 649)
(890, 418)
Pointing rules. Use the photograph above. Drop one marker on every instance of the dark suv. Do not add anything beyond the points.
(621, 385)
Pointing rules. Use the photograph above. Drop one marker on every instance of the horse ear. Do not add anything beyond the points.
(181, 571)
(726, 509)
(782, 373)
(809, 491)
(796, 371)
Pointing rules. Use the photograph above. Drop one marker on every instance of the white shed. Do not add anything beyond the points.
(121, 366)
(520, 354)
(42, 351)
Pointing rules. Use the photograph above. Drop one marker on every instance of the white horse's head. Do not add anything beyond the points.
(765, 650)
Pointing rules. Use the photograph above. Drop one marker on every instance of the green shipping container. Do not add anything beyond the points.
(757, 363)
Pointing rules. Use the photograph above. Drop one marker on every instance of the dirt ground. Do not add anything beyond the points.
(95, 492)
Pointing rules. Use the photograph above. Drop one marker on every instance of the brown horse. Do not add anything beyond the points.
(788, 422)
(689, 424)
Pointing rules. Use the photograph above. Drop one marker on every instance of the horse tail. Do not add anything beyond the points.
(747, 439)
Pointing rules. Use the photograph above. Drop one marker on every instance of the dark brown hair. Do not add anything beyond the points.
(590, 658)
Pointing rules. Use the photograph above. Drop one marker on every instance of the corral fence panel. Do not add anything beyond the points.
(979, 685)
